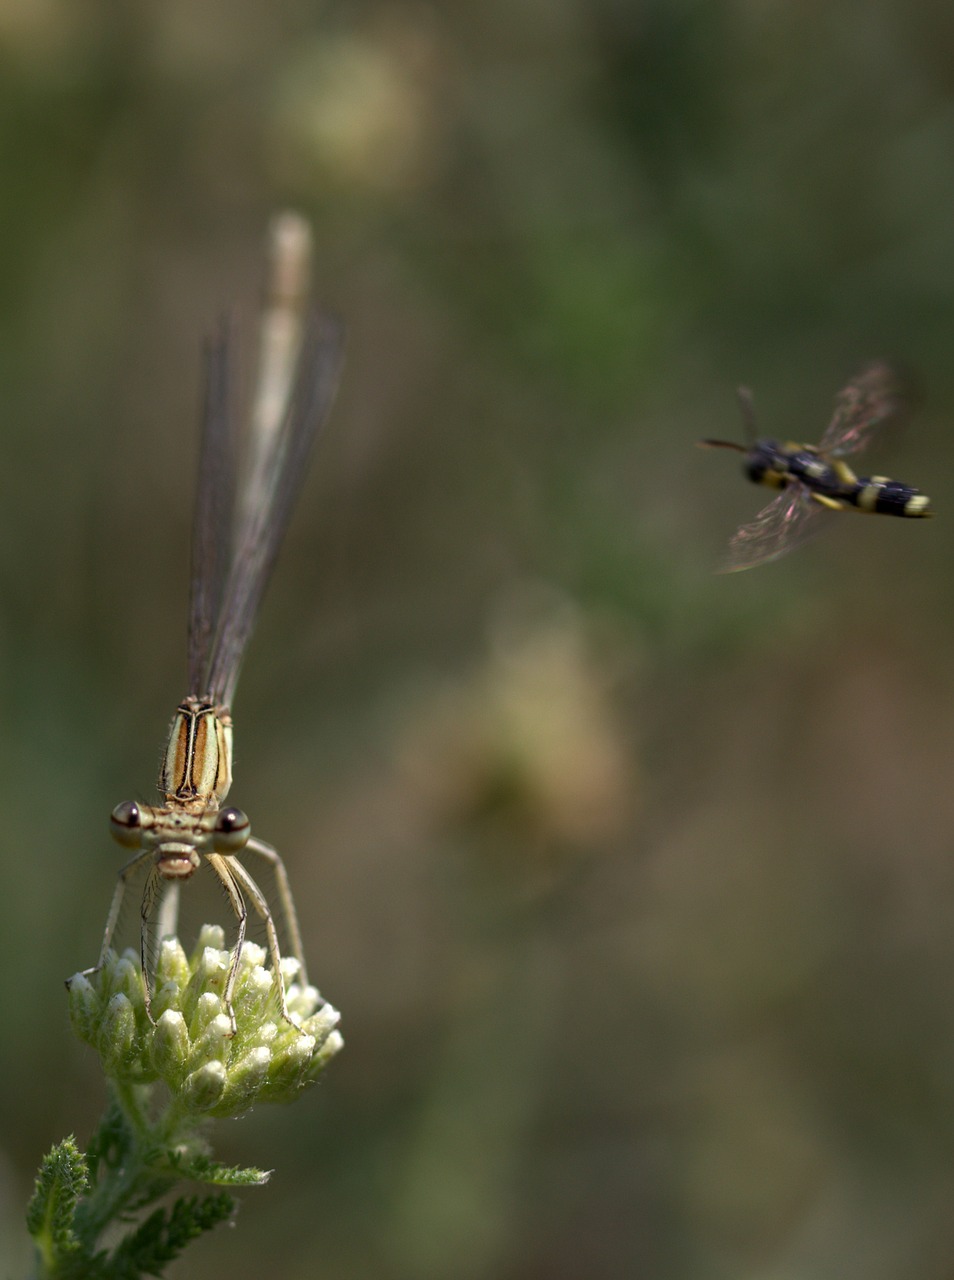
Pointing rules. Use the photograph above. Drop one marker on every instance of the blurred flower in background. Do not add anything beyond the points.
(356, 115)
(531, 743)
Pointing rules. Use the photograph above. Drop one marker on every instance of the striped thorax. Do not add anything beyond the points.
(197, 765)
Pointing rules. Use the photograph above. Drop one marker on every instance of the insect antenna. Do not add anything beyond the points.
(747, 405)
(721, 444)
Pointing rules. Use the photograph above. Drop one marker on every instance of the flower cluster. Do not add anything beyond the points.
(189, 1045)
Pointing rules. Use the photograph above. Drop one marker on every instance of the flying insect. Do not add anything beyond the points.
(814, 479)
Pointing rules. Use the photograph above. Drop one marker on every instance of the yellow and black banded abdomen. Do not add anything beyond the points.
(881, 496)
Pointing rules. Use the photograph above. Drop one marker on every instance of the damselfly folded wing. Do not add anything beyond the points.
(213, 518)
(262, 525)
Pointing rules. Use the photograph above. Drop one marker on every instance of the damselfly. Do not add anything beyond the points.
(815, 478)
(239, 522)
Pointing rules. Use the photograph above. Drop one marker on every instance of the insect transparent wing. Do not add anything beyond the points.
(214, 502)
(869, 401)
(788, 520)
(263, 525)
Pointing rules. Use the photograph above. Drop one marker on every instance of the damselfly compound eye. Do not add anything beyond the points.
(231, 831)
(125, 823)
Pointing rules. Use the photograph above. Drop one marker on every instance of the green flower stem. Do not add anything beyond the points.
(136, 1175)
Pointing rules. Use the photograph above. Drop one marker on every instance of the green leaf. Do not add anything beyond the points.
(111, 1142)
(163, 1236)
(202, 1169)
(62, 1180)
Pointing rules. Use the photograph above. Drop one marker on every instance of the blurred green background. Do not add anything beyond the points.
(633, 883)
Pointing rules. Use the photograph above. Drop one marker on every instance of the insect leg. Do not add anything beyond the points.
(747, 406)
(833, 504)
(225, 868)
(150, 893)
(116, 906)
(843, 472)
(290, 917)
(257, 898)
(289, 914)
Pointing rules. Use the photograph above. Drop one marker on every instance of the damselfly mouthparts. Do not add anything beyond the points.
(815, 478)
(240, 519)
